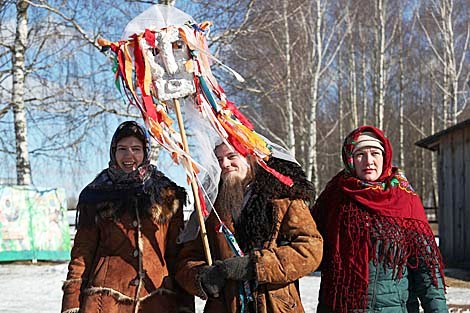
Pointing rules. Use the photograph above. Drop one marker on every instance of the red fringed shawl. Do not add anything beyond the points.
(354, 216)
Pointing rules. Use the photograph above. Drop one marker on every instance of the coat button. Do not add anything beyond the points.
(134, 223)
(135, 253)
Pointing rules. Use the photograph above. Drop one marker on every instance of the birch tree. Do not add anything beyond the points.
(18, 50)
(289, 105)
(352, 81)
(451, 52)
(322, 56)
(379, 63)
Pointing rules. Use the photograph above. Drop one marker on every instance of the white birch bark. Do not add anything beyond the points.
(435, 187)
(381, 60)
(23, 167)
(364, 78)
(352, 75)
(340, 103)
(446, 79)
(289, 104)
(321, 62)
(312, 164)
(401, 145)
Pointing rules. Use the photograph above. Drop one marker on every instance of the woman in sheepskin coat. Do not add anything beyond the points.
(128, 220)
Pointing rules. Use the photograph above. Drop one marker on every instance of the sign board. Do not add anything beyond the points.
(33, 224)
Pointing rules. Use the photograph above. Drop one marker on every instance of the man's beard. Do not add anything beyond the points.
(230, 197)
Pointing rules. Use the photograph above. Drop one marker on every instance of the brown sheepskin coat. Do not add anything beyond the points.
(278, 265)
(126, 264)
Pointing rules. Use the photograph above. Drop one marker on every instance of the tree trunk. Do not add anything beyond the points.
(435, 187)
(352, 79)
(290, 110)
(312, 164)
(364, 83)
(381, 63)
(340, 103)
(445, 83)
(23, 168)
(451, 64)
(401, 144)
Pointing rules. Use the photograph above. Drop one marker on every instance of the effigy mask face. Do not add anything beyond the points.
(168, 65)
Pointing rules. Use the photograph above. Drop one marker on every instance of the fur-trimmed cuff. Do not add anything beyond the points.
(73, 310)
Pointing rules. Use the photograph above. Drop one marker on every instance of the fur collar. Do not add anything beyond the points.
(157, 198)
(267, 184)
(255, 225)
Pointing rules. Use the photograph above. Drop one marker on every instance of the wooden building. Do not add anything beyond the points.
(453, 149)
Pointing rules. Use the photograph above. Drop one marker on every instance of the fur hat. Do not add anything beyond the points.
(368, 139)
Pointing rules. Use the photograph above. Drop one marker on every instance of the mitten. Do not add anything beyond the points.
(239, 268)
(212, 279)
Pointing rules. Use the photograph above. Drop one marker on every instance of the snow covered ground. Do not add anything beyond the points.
(36, 288)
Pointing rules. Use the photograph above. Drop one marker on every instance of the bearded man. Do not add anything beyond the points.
(273, 227)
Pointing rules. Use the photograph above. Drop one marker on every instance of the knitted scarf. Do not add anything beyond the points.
(381, 221)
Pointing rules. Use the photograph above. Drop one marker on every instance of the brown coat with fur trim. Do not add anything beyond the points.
(278, 265)
(126, 264)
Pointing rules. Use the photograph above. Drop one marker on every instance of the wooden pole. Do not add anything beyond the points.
(194, 187)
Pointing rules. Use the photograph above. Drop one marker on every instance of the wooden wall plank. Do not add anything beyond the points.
(458, 194)
(446, 242)
(466, 171)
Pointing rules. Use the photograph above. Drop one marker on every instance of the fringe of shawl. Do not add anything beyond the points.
(393, 242)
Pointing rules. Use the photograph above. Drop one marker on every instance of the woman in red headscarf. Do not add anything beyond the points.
(379, 250)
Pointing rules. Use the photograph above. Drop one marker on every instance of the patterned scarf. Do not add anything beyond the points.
(381, 221)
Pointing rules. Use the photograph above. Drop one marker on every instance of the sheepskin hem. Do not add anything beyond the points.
(73, 310)
(160, 292)
(122, 298)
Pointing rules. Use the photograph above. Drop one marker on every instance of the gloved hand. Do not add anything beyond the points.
(239, 268)
(212, 278)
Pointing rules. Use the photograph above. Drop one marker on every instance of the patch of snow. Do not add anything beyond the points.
(37, 288)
